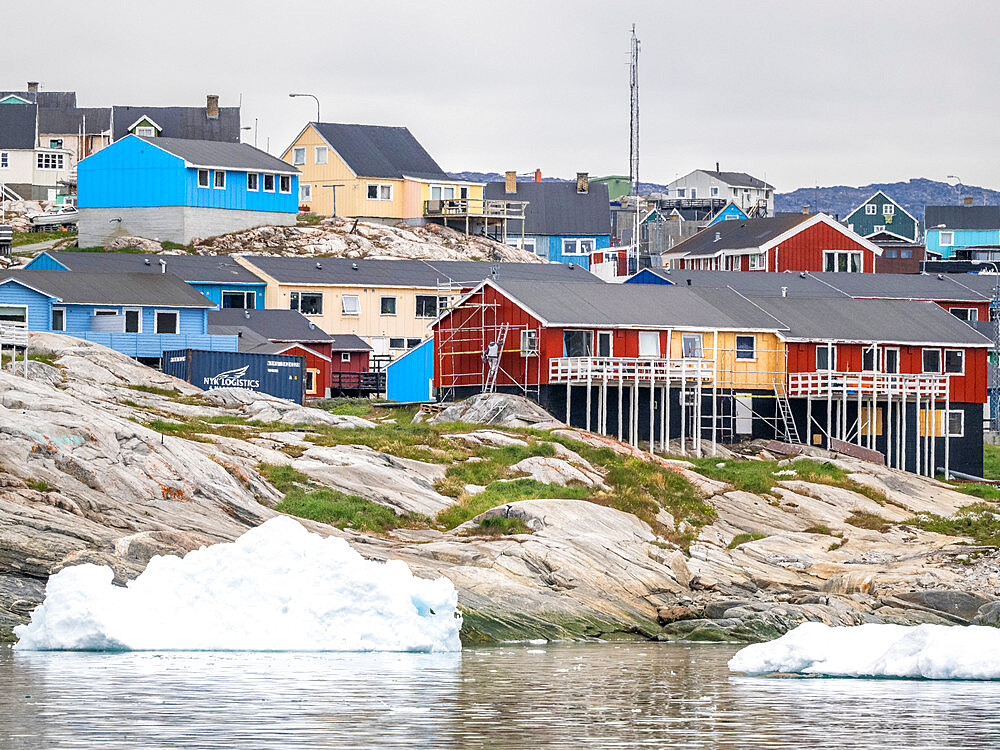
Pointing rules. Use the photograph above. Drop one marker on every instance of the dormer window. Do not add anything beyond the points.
(145, 131)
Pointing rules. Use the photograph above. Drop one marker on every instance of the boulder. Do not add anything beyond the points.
(497, 409)
(988, 614)
(961, 604)
(129, 242)
(551, 470)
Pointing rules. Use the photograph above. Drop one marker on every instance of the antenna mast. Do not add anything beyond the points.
(633, 164)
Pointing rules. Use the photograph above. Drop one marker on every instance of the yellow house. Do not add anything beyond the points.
(376, 172)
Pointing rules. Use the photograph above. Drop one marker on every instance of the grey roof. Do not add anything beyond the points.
(68, 121)
(113, 288)
(408, 273)
(888, 321)
(191, 268)
(241, 156)
(380, 151)
(46, 99)
(181, 122)
(17, 126)
(737, 235)
(752, 283)
(637, 305)
(738, 179)
(273, 325)
(555, 208)
(962, 217)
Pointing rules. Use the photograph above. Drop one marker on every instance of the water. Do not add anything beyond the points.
(631, 695)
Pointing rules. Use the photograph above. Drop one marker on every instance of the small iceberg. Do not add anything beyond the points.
(933, 652)
(278, 587)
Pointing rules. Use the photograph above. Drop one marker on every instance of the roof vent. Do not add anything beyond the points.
(146, 261)
(689, 282)
(354, 266)
(312, 326)
(318, 264)
(940, 277)
(784, 291)
(163, 266)
(718, 236)
(802, 274)
(246, 314)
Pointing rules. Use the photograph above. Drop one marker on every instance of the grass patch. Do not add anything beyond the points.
(155, 390)
(744, 538)
(818, 529)
(979, 521)
(284, 478)
(501, 493)
(44, 357)
(168, 245)
(982, 491)
(349, 407)
(991, 462)
(30, 238)
(39, 485)
(309, 219)
(497, 526)
(102, 249)
(871, 521)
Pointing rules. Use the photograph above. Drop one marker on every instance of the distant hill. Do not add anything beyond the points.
(912, 195)
(645, 188)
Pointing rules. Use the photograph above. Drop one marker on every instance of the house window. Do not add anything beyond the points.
(826, 358)
(321, 154)
(715, 192)
(871, 209)
(578, 343)
(203, 178)
(463, 192)
(345, 356)
(691, 346)
(133, 320)
(146, 131)
(165, 321)
(694, 192)
(310, 381)
(55, 142)
(649, 343)
(956, 423)
(578, 246)
(58, 319)
(410, 343)
(307, 303)
(890, 253)
(397, 343)
(298, 156)
(220, 179)
(868, 359)
(954, 361)
(757, 261)
(605, 344)
(746, 348)
(878, 228)
(527, 244)
(842, 261)
(965, 313)
(932, 360)
(680, 192)
(253, 179)
(4, 159)
(905, 253)
(239, 300)
(946, 239)
(284, 183)
(350, 304)
(442, 192)
(378, 191)
(387, 306)
(890, 361)
(888, 209)
(305, 192)
(427, 306)
(45, 160)
(269, 183)
(529, 343)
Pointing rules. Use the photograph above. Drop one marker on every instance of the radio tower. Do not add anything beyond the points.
(633, 163)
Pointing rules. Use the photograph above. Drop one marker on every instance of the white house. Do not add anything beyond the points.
(754, 196)
(27, 169)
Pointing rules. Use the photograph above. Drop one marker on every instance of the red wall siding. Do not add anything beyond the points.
(322, 381)
(357, 363)
(804, 251)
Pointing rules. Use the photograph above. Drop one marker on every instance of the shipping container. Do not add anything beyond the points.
(279, 375)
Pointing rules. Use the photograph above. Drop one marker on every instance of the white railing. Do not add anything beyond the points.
(13, 333)
(645, 370)
(824, 383)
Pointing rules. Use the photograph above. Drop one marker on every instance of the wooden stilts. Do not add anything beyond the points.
(620, 407)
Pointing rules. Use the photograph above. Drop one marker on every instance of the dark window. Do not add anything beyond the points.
(426, 306)
(826, 358)
(397, 343)
(604, 343)
(269, 183)
(891, 361)
(932, 360)
(954, 361)
(133, 321)
(238, 300)
(310, 381)
(203, 178)
(410, 343)
(220, 178)
(285, 183)
(166, 322)
(345, 356)
(578, 343)
(868, 359)
(252, 180)
(307, 303)
(58, 319)
(388, 306)
(745, 347)
(965, 313)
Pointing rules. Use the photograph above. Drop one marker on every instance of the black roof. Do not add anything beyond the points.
(556, 208)
(380, 151)
(45, 99)
(68, 121)
(273, 325)
(181, 122)
(408, 273)
(962, 217)
(113, 288)
(220, 154)
(17, 126)
(190, 268)
(739, 234)
(738, 179)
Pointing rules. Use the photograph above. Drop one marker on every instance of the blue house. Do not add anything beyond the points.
(220, 278)
(138, 314)
(178, 189)
(729, 212)
(952, 229)
(564, 222)
(411, 376)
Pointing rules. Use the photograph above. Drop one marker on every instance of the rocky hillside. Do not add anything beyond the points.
(545, 531)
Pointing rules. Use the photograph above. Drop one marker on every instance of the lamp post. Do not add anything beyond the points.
(994, 306)
(254, 129)
(314, 97)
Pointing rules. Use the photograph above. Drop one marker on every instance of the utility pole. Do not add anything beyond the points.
(633, 164)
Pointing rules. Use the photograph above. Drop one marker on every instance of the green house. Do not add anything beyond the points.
(880, 214)
(618, 186)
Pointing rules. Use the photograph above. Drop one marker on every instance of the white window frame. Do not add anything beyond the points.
(835, 254)
(299, 156)
(101, 311)
(345, 356)
(681, 192)
(684, 348)
(715, 191)
(344, 306)
(305, 191)
(380, 188)
(923, 361)
(245, 293)
(215, 179)
(888, 209)
(145, 131)
(264, 187)
(878, 228)
(321, 155)
(156, 321)
(312, 377)
(950, 242)
(395, 306)
(831, 349)
(944, 361)
(611, 343)
(874, 350)
(758, 261)
(528, 243)
(416, 309)
(971, 313)
(529, 342)
(4, 159)
(400, 339)
(441, 195)
(295, 298)
(256, 182)
(282, 182)
(577, 245)
(649, 336)
(961, 422)
(871, 209)
(736, 344)
(207, 181)
(885, 359)
(138, 310)
(49, 162)
(63, 311)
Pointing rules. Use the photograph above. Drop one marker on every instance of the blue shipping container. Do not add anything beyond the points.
(279, 375)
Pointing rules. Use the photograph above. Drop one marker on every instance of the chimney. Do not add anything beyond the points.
(582, 182)
(163, 266)
(717, 167)
(784, 291)
(510, 182)
(805, 210)
(212, 106)
(538, 175)
(967, 200)
(32, 87)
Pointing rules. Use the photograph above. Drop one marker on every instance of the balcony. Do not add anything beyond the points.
(362, 382)
(460, 208)
(583, 370)
(881, 385)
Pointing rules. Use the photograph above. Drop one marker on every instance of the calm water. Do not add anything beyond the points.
(572, 696)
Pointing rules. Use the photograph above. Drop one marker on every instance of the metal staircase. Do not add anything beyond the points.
(791, 432)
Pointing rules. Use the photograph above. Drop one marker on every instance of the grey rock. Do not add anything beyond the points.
(961, 604)
(988, 614)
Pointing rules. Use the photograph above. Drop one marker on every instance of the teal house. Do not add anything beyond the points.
(880, 214)
(952, 230)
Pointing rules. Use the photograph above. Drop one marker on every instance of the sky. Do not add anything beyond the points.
(798, 93)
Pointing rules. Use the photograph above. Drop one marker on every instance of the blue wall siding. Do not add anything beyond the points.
(79, 318)
(214, 291)
(44, 262)
(235, 195)
(645, 276)
(555, 253)
(963, 238)
(408, 378)
(38, 305)
(731, 210)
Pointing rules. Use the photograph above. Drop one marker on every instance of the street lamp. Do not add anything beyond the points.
(314, 97)
(254, 129)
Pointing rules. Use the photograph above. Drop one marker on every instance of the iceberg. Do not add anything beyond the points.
(934, 652)
(278, 587)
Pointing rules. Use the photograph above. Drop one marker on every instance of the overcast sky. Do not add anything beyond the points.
(800, 93)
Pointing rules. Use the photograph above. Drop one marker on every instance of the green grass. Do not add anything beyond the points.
(497, 526)
(501, 493)
(865, 520)
(350, 407)
(991, 462)
(168, 245)
(982, 491)
(284, 478)
(818, 529)
(155, 390)
(744, 538)
(310, 219)
(39, 485)
(46, 358)
(979, 521)
(30, 238)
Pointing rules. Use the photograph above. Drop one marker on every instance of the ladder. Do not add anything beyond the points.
(791, 432)
(494, 363)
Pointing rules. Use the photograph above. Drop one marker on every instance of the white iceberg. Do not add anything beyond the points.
(934, 652)
(278, 587)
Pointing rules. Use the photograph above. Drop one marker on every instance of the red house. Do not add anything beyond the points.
(793, 242)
